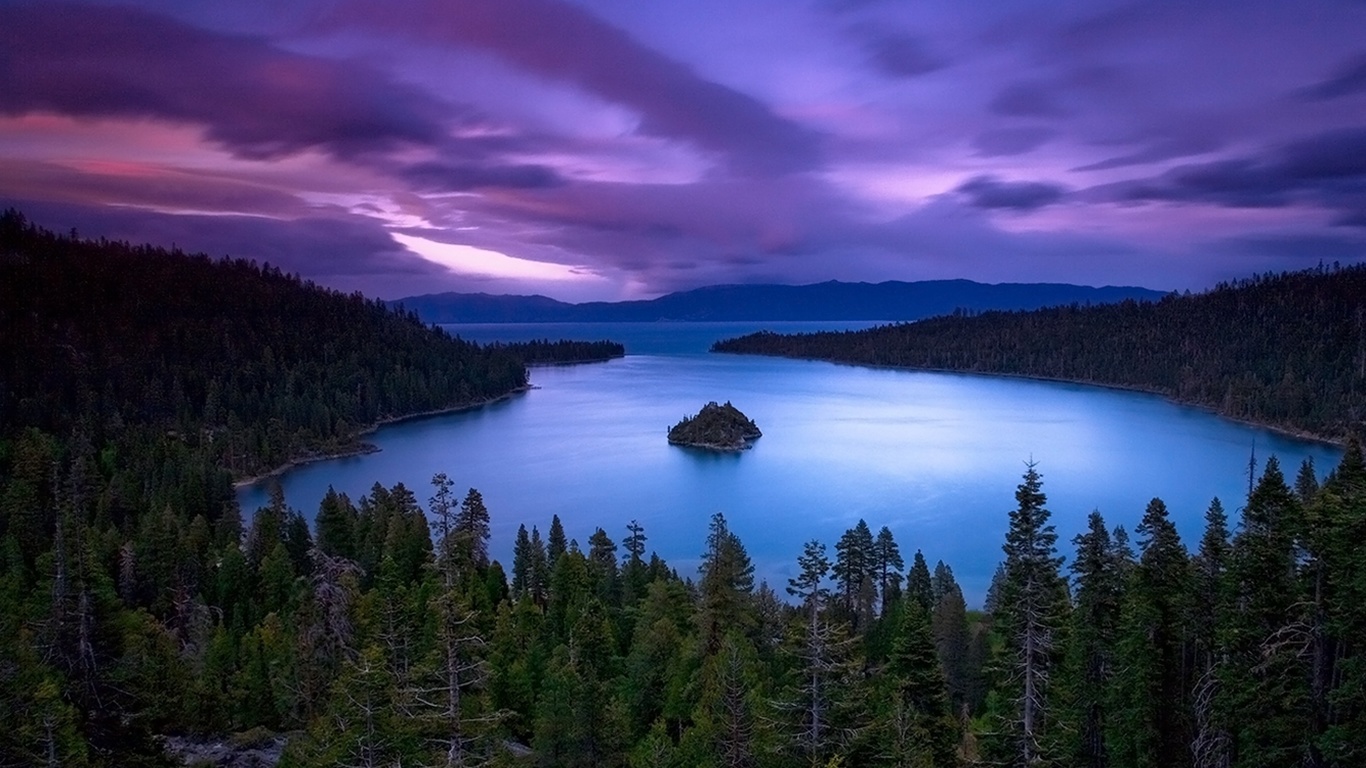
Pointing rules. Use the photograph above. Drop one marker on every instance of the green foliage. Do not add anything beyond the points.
(1283, 350)
(133, 604)
(716, 427)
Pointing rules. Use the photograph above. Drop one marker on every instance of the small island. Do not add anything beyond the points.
(716, 428)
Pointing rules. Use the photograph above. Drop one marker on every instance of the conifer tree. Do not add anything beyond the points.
(1030, 610)
(1097, 594)
(1263, 685)
(914, 725)
(1338, 654)
(602, 566)
(726, 585)
(919, 583)
(521, 563)
(728, 716)
(556, 544)
(472, 532)
(634, 574)
(854, 569)
(1149, 724)
(888, 564)
(819, 654)
(1209, 741)
(952, 638)
(336, 525)
(941, 582)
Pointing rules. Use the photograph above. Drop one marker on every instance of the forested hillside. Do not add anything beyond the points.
(136, 604)
(385, 635)
(232, 363)
(1285, 350)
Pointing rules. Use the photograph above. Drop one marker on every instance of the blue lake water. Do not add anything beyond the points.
(935, 457)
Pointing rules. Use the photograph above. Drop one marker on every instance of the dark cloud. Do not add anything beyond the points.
(445, 177)
(1011, 141)
(1027, 99)
(1348, 79)
(1295, 250)
(900, 55)
(1327, 170)
(336, 250)
(144, 186)
(254, 99)
(558, 41)
(990, 192)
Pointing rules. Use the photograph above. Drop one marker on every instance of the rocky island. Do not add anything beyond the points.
(717, 428)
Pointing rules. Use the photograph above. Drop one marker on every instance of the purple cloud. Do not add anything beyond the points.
(1328, 169)
(1002, 142)
(990, 192)
(902, 55)
(1027, 99)
(1348, 79)
(254, 99)
(559, 41)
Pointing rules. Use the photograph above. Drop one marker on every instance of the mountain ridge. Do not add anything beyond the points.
(890, 300)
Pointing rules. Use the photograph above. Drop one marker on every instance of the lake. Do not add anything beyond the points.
(935, 457)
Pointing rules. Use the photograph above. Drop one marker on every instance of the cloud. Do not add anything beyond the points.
(1027, 99)
(1328, 169)
(143, 185)
(902, 55)
(445, 177)
(989, 192)
(1000, 142)
(1347, 80)
(1157, 151)
(558, 41)
(341, 251)
(256, 100)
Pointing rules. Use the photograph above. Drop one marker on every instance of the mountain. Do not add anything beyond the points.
(832, 300)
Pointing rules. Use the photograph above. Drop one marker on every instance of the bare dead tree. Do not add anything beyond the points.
(1210, 747)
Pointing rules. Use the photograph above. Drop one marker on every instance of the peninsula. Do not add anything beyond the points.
(717, 428)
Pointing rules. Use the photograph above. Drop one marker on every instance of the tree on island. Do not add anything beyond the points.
(716, 427)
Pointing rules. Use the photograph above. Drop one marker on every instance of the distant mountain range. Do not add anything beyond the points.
(832, 300)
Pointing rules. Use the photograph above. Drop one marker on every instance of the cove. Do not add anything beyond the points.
(935, 457)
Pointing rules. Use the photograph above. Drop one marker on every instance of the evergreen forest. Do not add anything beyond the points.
(1284, 350)
(139, 605)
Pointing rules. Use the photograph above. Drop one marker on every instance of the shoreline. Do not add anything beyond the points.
(1298, 434)
(362, 448)
(581, 361)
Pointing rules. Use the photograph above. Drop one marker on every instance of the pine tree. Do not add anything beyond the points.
(1338, 653)
(634, 575)
(1090, 659)
(915, 726)
(1030, 610)
(888, 562)
(726, 586)
(1149, 724)
(728, 716)
(1210, 743)
(942, 582)
(521, 563)
(855, 561)
(1263, 686)
(952, 638)
(336, 525)
(556, 545)
(602, 567)
(919, 583)
(472, 532)
(821, 657)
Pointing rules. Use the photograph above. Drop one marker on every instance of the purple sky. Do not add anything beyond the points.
(609, 149)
